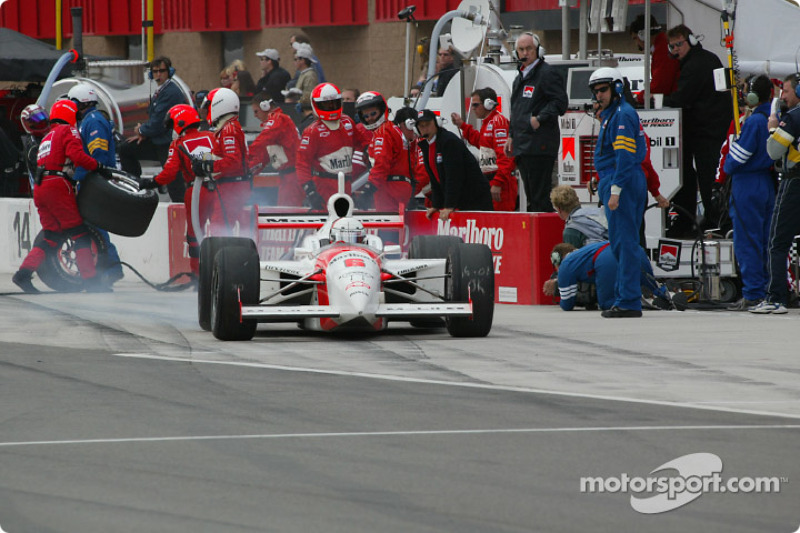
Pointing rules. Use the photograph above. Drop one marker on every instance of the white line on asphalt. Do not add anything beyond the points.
(398, 434)
(463, 384)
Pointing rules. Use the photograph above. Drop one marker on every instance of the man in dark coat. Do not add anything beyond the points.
(455, 176)
(538, 98)
(275, 76)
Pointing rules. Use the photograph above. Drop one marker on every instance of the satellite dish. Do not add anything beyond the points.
(466, 34)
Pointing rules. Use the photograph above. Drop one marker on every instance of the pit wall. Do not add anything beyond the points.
(520, 244)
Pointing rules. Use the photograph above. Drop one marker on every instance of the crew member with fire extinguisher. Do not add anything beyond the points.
(191, 143)
(391, 179)
(327, 146)
(55, 199)
(230, 207)
(276, 146)
(491, 141)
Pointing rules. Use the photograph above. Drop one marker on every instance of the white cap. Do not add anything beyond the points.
(292, 91)
(269, 53)
(304, 50)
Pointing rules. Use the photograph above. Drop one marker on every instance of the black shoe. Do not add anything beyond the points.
(618, 312)
(680, 301)
(22, 279)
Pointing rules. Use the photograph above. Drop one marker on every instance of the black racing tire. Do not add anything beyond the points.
(59, 270)
(236, 276)
(471, 278)
(431, 247)
(116, 205)
(208, 251)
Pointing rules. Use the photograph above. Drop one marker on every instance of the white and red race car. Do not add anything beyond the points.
(340, 278)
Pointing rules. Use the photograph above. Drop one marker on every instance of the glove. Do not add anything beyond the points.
(314, 199)
(365, 199)
(104, 171)
(147, 183)
(202, 168)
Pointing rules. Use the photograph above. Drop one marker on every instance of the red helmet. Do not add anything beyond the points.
(66, 111)
(180, 117)
(34, 120)
(206, 105)
(369, 100)
(326, 102)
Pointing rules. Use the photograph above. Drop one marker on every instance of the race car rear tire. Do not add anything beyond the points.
(431, 247)
(471, 277)
(116, 205)
(208, 251)
(235, 279)
(59, 270)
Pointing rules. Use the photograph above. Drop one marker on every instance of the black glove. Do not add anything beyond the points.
(314, 199)
(104, 171)
(365, 198)
(147, 183)
(201, 168)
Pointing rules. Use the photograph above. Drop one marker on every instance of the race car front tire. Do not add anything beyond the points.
(471, 278)
(234, 282)
(431, 247)
(209, 247)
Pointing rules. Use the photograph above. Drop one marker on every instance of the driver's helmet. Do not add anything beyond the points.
(348, 230)
(35, 120)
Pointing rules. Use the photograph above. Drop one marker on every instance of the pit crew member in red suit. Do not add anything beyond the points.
(391, 180)
(60, 151)
(191, 143)
(491, 140)
(276, 146)
(327, 146)
(664, 68)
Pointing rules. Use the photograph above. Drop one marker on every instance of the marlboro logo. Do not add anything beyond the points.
(669, 255)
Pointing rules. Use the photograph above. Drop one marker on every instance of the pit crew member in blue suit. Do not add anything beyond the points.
(618, 156)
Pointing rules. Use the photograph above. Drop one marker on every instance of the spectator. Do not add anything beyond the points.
(584, 225)
(783, 146)
(455, 177)
(664, 68)
(299, 39)
(306, 113)
(97, 135)
(446, 67)
(276, 146)
(192, 141)
(538, 98)
(244, 85)
(225, 78)
(752, 196)
(350, 95)
(496, 166)
(151, 140)
(305, 75)
(706, 116)
(275, 77)
(55, 200)
(622, 187)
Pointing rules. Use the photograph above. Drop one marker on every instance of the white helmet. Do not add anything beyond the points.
(368, 100)
(82, 93)
(607, 75)
(224, 102)
(348, 230)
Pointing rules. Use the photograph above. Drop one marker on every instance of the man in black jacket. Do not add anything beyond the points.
(275, 76)
(455, 176)
(538, 98)
(707, 114)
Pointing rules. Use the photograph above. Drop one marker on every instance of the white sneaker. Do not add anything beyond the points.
(765, 308)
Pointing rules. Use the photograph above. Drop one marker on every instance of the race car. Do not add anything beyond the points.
(343, 278)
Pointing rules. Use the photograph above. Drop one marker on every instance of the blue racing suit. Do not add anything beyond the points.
(752, 200)
(97, 134)
(595, 263)
(618, 156)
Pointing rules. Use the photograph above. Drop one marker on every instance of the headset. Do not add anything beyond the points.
(751, 98)
(489, 104)
(411, 124)
(693, 41)
(556, 259)
(158, 61)
(653, 29)
(797, 84)
(266, 105)
(539, 48)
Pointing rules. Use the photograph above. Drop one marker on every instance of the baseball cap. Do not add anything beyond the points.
(425, 115)
(304, 50)
(294, 91)
(269, 53)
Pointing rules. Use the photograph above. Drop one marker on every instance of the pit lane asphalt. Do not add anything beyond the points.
(119, 414)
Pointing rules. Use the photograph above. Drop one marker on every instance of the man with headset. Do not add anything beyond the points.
(706, 116)
(151, 140)
(620, 150)
(538, 98)
(491, 140)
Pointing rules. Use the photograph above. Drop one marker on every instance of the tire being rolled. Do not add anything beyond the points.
(116, 205)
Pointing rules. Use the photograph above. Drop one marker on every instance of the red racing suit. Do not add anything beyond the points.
(192, 142)
(60, 151)
(393, 162)
(495, 164)
(277, 145)
(232, 196)
(324, 152)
